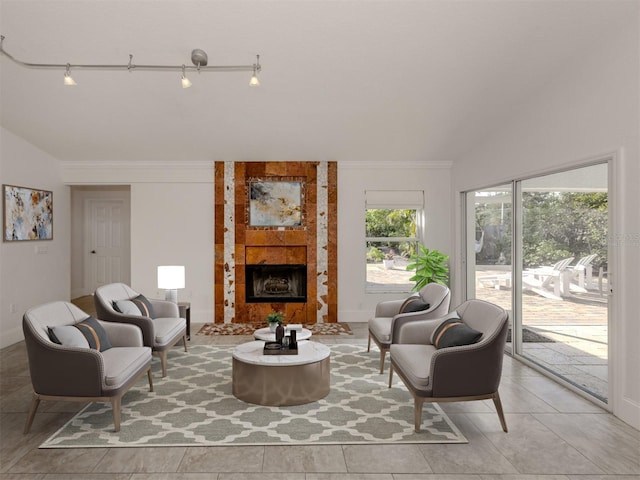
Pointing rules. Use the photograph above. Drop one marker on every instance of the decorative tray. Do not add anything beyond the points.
(274, 348)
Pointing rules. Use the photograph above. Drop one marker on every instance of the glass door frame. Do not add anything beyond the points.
(516, 263)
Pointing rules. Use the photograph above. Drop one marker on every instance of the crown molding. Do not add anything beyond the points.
(127, 172)
(394, 165)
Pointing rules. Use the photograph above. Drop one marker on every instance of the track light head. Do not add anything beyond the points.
(186, 83)
(68, 79)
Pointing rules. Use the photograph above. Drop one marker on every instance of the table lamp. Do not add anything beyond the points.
(171, 277)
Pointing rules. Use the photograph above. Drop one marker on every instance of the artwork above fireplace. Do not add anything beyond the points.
(276, 283)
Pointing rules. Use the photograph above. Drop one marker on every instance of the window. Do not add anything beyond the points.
(392, 222)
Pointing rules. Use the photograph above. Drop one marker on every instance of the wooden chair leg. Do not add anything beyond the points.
(116, 403)
(498, 404)
(184, 339)
(369, 344)
(163, 362)
(390, 374)
(383, 353)
(35, 402)
(150, 379)
(417, 413)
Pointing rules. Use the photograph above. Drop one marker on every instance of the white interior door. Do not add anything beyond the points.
(107, 242)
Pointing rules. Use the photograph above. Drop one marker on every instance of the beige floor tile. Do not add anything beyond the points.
(75, 460)
(477, 456)
(141, 459)
(607, 442)
(222, 459)
(559, 397)
(399, 458)
(174, 476)
(318, 458)
(533, 448)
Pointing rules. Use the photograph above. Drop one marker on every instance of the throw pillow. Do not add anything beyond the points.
(416, 306)
(454, 333)
(93, 333)
(451, 315)
(144, 306)
(67, 336)
(126, 306)
(409, 301)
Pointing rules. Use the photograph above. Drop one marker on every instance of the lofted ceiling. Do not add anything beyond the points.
(341, 80)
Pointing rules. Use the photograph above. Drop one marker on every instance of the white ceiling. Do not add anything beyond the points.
(341, 80)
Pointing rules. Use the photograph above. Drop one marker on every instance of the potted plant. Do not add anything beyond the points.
(274, 319)
(388, 260)
(430, 267)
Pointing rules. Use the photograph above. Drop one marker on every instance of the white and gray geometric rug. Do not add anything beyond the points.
(193, 406)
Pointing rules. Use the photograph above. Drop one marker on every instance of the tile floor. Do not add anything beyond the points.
(553, 435)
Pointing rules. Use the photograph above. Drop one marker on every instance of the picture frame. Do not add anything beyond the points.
(27, 214)
(275, 203)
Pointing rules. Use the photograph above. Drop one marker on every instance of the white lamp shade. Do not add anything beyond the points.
(171, 277)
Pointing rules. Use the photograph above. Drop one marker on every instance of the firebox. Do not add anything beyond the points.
(276, 283)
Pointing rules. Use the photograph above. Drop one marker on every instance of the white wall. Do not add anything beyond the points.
(588, 109)
(172, 221)
(28, 278)
(173, 224)
(354, 305)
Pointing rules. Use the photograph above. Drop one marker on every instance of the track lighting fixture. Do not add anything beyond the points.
(186, 83)
(254, 82)
(68, 79)
(198, 58)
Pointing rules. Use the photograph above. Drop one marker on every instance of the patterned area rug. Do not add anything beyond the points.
(193, 406)
(249, 328)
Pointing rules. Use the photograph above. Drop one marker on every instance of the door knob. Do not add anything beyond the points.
(93, 251)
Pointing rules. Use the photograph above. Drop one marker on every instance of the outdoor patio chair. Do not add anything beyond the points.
(432, 301)
(582, 273)
(549, 281)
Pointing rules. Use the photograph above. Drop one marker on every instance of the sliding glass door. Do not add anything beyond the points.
(556, 292)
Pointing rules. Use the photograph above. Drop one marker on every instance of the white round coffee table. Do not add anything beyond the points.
(280, 380)
(266, 335)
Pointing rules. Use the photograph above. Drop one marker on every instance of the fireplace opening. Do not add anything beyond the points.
(276, 283)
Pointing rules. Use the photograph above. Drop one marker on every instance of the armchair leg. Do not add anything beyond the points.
(498, 404)
(35, 402)
(116, 403)
(184, 339)
(369, 344)
(150, 379)
(163, 362)
(390, 375)
(417, 413)
(383, 353)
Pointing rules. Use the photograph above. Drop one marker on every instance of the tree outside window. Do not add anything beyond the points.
(391, 239)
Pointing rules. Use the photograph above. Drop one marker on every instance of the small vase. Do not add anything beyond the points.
(273, 326)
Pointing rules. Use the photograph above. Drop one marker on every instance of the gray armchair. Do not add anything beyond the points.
(161, 329)
(80, 373)
(453, 373)
(390, 315)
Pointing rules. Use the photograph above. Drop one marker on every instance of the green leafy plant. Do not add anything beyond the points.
(375, 254)
(430, 266)
(275, 317)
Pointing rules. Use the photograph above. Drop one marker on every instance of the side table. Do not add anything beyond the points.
(185, 312)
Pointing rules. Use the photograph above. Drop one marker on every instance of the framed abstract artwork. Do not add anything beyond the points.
(27, 214)
(275, 203)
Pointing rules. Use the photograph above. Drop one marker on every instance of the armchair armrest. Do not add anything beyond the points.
(143, 323)
(406, 329)
(164, 308)
(122, 334)
(63, 371)
(466, 370)
(388, 308)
